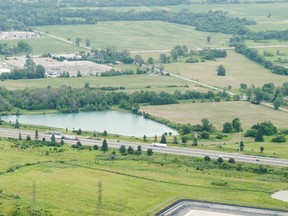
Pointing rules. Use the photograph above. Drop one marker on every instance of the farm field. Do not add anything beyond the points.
(138, 35)
(66, 182)
(239, 70)
(130, 82)
(218, 113)
(47, 45)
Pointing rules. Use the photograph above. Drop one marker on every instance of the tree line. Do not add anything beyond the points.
(126, 3)
(67, 99)
(252, 54)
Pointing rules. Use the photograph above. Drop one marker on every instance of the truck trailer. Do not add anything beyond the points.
(163, 145)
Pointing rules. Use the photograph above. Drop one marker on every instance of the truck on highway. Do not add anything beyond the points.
(162, 145)
(70, 137)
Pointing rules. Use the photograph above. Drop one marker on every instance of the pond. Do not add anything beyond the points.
(114, 122)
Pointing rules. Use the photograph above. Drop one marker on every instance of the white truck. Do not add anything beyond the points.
(162, 145)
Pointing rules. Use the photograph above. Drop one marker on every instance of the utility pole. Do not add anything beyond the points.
(99, 197)
(34, 194)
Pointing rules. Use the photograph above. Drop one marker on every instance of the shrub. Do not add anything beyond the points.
(220, 160)
(149, 152)
(207, 158)
(250, 133)
(231, 160)
(219, 136)
(261, 170)
(205, 135)
(279, 138)
(220, 183)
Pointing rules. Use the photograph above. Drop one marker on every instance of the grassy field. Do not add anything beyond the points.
(140, 182)
(252, 10)
(47, 45)
(270, 25)
(138, 35)
(276, 55)
(130, 82)
(238, 70)
(218, 113)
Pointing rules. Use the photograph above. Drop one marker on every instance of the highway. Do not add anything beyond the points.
(14, 133)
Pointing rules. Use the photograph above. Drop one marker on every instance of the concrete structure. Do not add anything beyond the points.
(195, 208)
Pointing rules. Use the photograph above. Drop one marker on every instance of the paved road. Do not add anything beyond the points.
(14, 133)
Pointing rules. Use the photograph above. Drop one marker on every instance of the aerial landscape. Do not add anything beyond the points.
(143, 107)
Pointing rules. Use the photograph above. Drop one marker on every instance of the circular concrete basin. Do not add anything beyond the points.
(281, 195)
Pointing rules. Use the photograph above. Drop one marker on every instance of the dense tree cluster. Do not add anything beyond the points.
(268, 92)
(67, 99)
(204, 54)
(234, 126)
(259, 130)
(109, 55)
(22, 47)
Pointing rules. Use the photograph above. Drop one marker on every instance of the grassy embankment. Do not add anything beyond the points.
(66, 181)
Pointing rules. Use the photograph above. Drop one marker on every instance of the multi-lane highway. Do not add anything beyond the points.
(14, 133)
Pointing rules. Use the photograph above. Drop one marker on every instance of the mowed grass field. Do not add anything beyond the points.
(130, 82)
(219, 113)
(239, 70)
(138, 35)
(47, 45)
(132, 185)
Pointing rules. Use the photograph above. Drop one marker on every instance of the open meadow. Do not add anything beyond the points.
(239, 70)
(66, 181)
(138, 35)
(47, 45)
(130, 82)
(219, 113)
